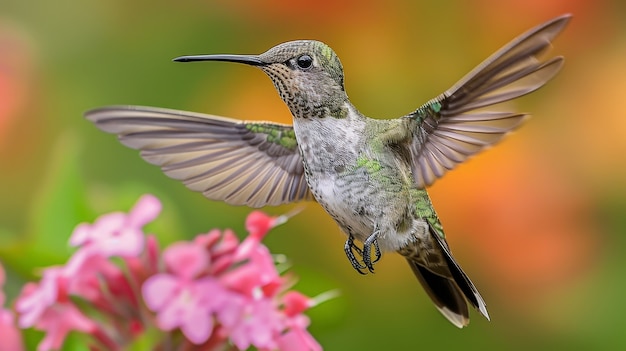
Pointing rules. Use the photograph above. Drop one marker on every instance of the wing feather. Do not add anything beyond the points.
(454, 126)
(239, 162)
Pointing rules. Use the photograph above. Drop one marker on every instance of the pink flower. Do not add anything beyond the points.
(221, 247)
(258, 224)
(295, 303)
(118, 234)
(186, 260)
(47, 307)
(35, 299)
(84, 273)
(297, 338)
(219, 292)
(115, 234)
(181, 299)
(58, 321)
(10, 337)
(252, 321)
(259, 270)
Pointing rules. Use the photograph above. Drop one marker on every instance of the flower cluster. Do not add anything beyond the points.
(211, 293)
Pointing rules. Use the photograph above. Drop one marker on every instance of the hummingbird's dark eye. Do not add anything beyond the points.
(304, 61)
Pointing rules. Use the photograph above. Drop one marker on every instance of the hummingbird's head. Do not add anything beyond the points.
(307, 74)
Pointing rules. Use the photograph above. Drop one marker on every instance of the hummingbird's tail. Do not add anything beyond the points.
(445, 282)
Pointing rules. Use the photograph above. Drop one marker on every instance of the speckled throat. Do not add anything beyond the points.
(303, 102)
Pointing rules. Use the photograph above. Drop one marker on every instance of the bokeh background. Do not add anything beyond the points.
(538, 222)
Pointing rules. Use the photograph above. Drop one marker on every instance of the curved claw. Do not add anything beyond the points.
(349, 247)
(377, 251)
(367, 251)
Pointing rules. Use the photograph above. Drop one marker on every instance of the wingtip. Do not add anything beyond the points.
(94, 114)
(91, 114)
(560, 21)
(565, 17)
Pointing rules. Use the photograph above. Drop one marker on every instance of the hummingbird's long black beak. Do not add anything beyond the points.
(245, 59)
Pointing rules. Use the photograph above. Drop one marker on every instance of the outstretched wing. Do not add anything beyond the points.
(453, 126)
(239, 162)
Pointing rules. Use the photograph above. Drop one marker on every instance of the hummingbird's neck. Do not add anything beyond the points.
(338, 106)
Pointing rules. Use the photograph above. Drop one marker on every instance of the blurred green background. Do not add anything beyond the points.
(537, 222)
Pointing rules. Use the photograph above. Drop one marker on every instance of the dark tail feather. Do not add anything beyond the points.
(444, 292)
(450, 293)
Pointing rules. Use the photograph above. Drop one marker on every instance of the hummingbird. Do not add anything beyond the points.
(370, 175)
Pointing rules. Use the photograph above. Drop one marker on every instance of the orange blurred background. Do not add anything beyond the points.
(537, 222)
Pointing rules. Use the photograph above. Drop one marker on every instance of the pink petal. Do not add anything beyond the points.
(185, 259)
(172, 313)
(257, 325)
(221, 264)
(77, 261)
(106, 226)
(50, 342)
(87, 261)
(152, 254)
(86, 233)
(57, 322)
(158, 290)
(28, 312)
(197, 326)
(210, 294)
(257, 271)
(118, 234)
(35, 299)
(295, 303)
(10, 335)
(145, 210)
(84, 270)
(227, 245)
(298, 340)
(246, 249)
(80, 234)
(121, 285)
(258, 224)
(223, 252)
(191, 309)
(230, 313)
(179, 309)
(1, 284)
(110, 236)
(128, 242)
(209, 239)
